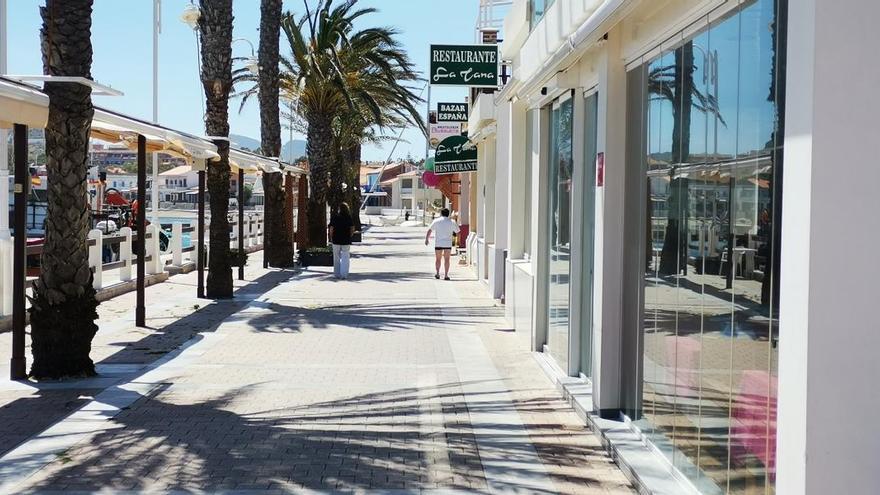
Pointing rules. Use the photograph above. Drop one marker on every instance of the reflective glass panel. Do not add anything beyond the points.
(714, 162)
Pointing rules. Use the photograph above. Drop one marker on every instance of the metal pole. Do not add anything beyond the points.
(200, 285)
(157, 28)
(5, 235)
(265, 232)
(427, 152)
(141, 226)
(18, 365)
(240, 223)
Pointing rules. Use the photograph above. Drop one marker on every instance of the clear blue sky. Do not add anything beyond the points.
(122, 41)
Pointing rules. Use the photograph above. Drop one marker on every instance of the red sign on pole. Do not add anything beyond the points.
(600, 169)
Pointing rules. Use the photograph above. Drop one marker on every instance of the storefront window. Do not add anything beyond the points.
(712, 112)
(537, 9)
(560, 173)
(591, 141)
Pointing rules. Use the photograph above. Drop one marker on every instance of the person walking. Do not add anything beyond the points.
(444, 228)
(341, 229)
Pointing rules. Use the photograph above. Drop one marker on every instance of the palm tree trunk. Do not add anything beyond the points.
(321, 152)
(278, 252)
(63, 312)
(674, 255)
(215, 25)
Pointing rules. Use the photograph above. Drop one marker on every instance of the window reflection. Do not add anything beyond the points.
(537, 9)
(713, 127)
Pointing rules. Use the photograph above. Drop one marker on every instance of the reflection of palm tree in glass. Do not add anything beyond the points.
(676, 84)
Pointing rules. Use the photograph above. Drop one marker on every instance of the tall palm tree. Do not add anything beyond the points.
(278, 251)
(63, 312)
(338, 73)
(215, 28)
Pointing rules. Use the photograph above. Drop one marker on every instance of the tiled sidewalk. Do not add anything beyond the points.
(390, 380)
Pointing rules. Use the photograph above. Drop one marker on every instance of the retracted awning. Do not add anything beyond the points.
(22, 104)
(116, 127)
(250, 163)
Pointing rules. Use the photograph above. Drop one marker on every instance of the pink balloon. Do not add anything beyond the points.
(430, 179)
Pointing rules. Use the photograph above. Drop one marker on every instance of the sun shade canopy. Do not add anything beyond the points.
(115, 127)
(22, 104)
(252, 162)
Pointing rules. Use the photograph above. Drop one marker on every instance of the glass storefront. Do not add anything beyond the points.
(560, 174)
(591, 138)
(709, 115)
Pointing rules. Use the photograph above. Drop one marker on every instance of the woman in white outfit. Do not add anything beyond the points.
(444, 228)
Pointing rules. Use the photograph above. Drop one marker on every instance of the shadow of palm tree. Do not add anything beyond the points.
(378, 441)
(51, 401)
(277, 317)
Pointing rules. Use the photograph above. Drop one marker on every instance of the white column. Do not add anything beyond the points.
(95, 261)
(518, 180)
(540, 236)
(609, 233)
(155, 265)
(829, 332)
(502, 174)
(125, 254)
(488, 229)
(177, 244)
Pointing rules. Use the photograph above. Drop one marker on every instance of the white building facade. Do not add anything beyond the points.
(674, 200)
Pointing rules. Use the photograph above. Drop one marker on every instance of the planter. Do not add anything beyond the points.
(316, 258)
(237, 259)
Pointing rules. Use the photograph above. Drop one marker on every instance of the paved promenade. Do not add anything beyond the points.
(390, 381)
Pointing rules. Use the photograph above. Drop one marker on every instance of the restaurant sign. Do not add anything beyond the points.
(439, 132)
(455, 154)
(464, 65)
(452, 112)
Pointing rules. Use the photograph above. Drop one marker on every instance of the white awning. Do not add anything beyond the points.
(250, 162)
(116, 127)
(22, 104)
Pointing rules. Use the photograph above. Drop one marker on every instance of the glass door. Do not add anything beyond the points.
(591, 117)
(560, 174)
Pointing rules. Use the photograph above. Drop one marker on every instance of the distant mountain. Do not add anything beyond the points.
(242, 142)
(293, 150)
(290, 151)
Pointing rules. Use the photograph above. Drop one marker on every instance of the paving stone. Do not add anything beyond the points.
(305, 381)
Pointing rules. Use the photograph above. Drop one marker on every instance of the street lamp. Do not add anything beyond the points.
(190, 16)
(252, 64)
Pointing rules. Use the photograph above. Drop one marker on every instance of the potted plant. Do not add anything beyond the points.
(316, 256)
(237, 258)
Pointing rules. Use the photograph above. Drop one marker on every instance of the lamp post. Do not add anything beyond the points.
(5, 236)
(252, 64)
(154, 192)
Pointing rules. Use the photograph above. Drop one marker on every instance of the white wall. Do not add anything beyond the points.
(560, 21)
(608, 258)
(829, 331)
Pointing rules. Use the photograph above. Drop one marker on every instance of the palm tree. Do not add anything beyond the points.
(215, 28)
(63, 311)
(278, 251)
(337, 73)
(675, 83)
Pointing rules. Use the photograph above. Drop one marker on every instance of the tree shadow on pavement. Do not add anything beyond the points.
(380, 441)
(51, 401)
(277, 317)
